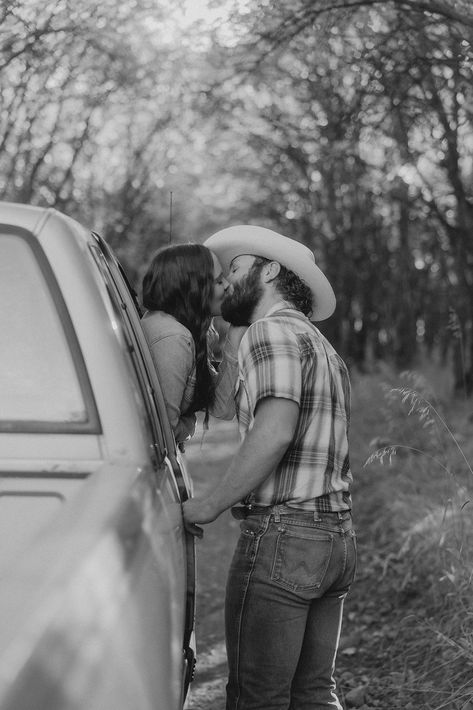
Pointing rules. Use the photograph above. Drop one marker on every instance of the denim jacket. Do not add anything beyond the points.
(173, 352)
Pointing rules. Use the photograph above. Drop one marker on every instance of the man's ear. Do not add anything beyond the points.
(270, 271)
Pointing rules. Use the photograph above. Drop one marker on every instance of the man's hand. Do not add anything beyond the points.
(197, 511)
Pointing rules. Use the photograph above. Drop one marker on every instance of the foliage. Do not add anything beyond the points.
(88, 91)
(409, 629)
(431, 438)
(360, 123)
(345, 124)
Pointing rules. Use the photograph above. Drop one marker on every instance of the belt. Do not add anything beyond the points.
(241, 512)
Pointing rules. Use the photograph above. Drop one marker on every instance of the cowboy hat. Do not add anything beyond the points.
(231, 242)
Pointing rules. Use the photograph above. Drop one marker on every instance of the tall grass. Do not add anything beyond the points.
(419, 479)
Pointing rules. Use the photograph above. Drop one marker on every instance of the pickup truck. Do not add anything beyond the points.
(97, 573)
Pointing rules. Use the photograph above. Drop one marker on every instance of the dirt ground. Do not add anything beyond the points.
(207, 458)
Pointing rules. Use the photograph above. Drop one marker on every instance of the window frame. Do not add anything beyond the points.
(119, 288)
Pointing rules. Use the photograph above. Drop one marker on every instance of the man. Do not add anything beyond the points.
(289, 481)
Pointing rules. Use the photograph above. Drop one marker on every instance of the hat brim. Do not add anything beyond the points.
(231, 242)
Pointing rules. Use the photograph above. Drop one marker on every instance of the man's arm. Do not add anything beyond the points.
(260, 452)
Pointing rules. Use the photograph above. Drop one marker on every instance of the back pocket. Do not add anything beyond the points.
(301, 561)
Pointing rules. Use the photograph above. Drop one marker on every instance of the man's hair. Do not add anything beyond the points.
(292, 288)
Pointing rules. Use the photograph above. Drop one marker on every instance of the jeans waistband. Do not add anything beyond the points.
(240, 512)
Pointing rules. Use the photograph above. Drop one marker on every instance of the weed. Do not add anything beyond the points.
(425, 559)
(430, 421)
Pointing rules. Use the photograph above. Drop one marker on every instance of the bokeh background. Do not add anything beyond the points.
(346, 124)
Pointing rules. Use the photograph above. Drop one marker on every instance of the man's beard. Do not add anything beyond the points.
(238, 307)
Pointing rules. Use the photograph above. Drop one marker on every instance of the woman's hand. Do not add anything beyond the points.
(234, 335)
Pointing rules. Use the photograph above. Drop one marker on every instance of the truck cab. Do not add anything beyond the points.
(97, 573)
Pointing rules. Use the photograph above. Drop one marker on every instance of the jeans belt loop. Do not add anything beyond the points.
(317, 519)
(277, 514)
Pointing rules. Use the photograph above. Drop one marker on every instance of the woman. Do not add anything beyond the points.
(182, 290)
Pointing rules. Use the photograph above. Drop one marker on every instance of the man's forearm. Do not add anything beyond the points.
(254, 462)
(258, 456)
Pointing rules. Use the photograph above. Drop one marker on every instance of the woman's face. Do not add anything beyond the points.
(220, 287)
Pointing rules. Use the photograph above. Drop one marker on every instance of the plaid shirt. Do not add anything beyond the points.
(285, 355)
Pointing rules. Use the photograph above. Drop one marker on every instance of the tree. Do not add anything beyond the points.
(345, 124)
(87, 92)
(326, 133)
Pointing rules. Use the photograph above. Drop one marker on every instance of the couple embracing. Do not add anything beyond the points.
(289, 482)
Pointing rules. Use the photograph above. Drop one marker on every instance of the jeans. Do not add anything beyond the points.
(286, 587)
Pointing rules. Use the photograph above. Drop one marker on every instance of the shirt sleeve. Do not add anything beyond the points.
(173, 357)
(270, 363)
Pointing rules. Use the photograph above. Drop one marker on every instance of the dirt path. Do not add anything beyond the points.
(207, 459)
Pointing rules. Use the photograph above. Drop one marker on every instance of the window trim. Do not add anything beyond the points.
(116, 282)
(92, 424)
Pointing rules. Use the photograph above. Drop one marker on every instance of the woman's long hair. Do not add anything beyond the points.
(180, 281)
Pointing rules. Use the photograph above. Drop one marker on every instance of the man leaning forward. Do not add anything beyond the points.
(289, 482)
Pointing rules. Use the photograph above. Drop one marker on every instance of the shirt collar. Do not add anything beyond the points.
(279, 306)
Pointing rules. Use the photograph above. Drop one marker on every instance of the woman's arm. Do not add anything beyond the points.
(174, 359)
(226, 379)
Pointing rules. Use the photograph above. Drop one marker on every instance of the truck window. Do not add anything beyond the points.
(43, 380)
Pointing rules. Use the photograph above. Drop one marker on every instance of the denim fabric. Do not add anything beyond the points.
(286, 587)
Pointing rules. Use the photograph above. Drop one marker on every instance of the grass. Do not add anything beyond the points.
(412, 607)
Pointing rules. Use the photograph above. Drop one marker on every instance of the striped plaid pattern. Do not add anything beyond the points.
(285, 355)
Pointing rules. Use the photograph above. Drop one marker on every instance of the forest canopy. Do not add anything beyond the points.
(346, 124)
